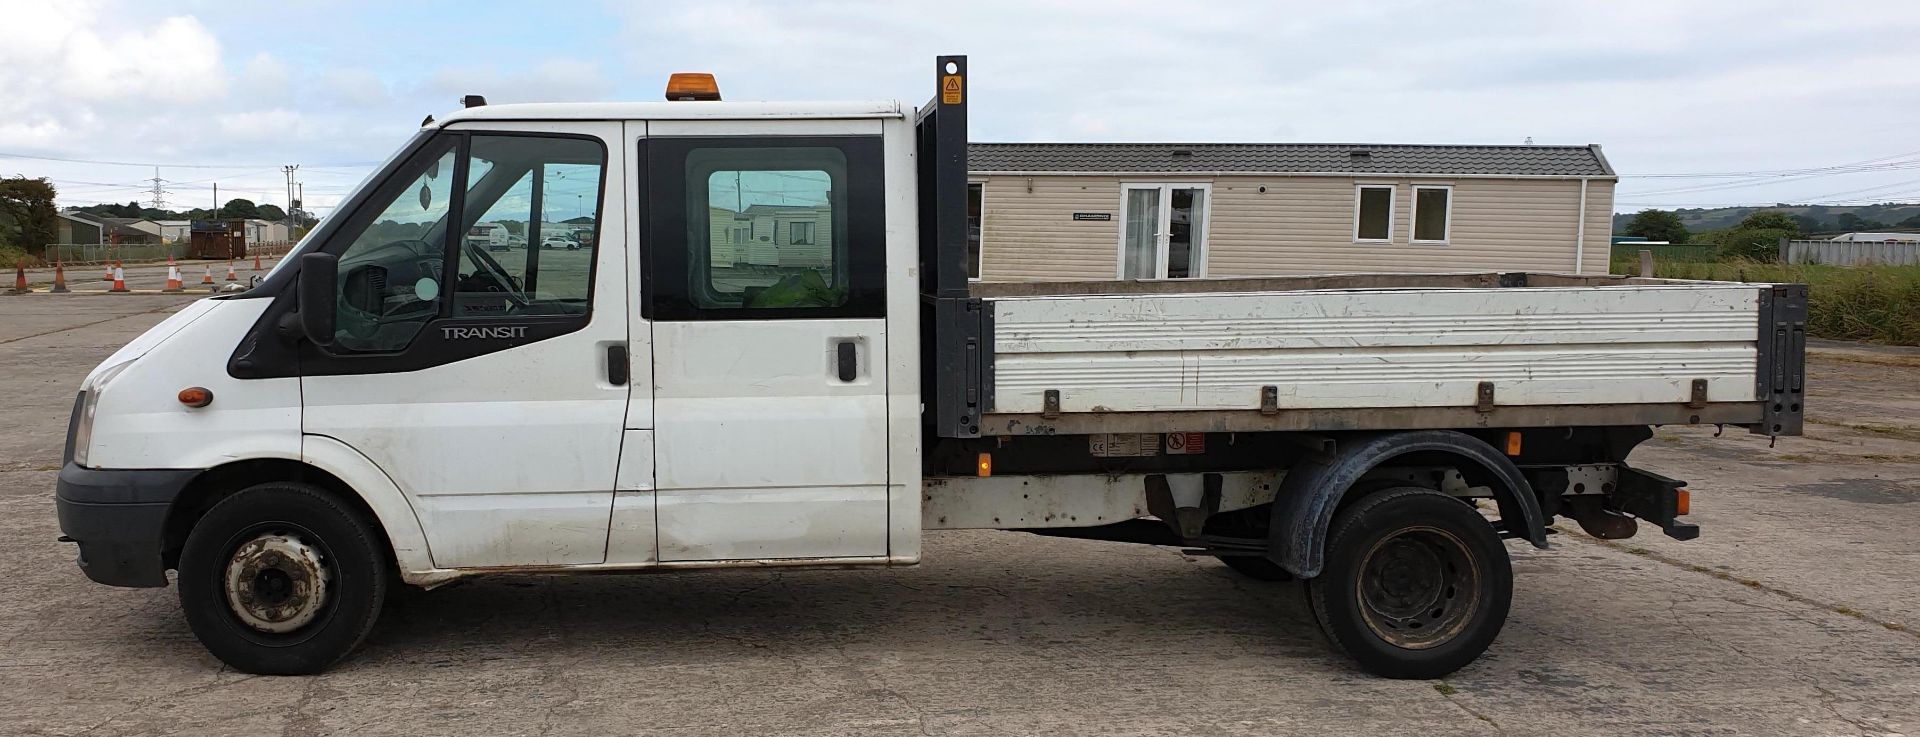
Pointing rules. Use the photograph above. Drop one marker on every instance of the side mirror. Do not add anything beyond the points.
(317, 295)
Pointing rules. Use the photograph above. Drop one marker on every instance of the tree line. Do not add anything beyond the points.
(1756, 236)
(234, 208)
(29, 218)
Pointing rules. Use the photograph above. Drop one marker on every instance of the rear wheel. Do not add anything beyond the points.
(282, 579)
(1416, 584)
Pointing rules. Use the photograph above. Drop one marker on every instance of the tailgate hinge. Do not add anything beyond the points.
(1698, 398)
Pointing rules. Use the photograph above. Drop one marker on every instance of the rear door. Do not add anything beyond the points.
(486, 383)
(764, 285)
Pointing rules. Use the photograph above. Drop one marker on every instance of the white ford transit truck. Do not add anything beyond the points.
(773, 357)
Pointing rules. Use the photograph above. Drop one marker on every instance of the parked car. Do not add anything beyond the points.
(554, 241)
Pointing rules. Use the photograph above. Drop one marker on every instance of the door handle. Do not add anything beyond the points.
(617, 367)
(849, 368)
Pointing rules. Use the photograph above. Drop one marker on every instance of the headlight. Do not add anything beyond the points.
(83, 434)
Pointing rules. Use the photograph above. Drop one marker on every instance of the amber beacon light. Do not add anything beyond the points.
(692, 86)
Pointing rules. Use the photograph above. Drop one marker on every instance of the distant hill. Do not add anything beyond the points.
(1813, 218)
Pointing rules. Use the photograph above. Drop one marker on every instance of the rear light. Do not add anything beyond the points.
(1682, 503)
(984, 467)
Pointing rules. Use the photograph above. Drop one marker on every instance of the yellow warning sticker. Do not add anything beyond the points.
(950, 89)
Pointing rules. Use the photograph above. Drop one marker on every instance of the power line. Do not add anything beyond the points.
(1882, 163)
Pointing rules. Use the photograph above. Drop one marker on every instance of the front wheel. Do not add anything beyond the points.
(1416, 585)
(282, 579)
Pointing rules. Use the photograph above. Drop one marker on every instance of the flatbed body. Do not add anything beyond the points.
(1427, 350)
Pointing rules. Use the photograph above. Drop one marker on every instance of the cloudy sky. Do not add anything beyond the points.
(1752, 101)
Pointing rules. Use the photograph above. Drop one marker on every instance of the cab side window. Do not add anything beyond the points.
(780, 198)
(482, 225)
(531, 219)
(757, 228)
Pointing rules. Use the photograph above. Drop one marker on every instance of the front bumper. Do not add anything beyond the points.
(118, 517)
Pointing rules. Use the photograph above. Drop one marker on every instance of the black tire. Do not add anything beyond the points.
(300, 540)
(1416, 585)
(1256, 567)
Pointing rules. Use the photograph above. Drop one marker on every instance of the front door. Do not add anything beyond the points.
(764, 289)
(1163, 231)
(475, 371)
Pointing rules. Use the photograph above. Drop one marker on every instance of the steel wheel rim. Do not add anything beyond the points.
(276, 582)
(1418, 587)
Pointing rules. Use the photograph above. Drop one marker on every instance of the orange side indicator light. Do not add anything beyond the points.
(196, 396)
(985, 466)
(1513, 443)
(1682, 502)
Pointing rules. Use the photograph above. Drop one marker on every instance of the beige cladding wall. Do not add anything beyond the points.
(1299, 225)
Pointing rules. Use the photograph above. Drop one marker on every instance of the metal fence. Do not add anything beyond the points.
(84, 254)
(1851, 253)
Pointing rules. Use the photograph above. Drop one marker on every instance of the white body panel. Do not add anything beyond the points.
(140, 423)
(761, 451)
(1375, 348)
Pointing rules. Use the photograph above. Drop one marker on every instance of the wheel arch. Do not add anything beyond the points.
(1313, 490)
(214, 484)
(329, 465)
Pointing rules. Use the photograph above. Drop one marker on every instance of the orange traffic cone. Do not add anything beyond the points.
(256, 260)
(59, 279)
(173, 278)
(230, 275)
(108, 266)
(19, 280)
(119, 280)
(207, 277)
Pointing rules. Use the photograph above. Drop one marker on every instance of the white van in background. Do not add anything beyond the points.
(492, 235)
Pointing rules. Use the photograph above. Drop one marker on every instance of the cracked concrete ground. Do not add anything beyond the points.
(1793, 614)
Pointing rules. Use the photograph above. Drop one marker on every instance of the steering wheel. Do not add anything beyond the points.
(515, 292)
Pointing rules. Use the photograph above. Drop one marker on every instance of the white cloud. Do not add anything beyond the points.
(264, 74)
(177, 60)
(553, 80)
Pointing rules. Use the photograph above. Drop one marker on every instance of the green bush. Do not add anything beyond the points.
(11, 257)
(1747, 243)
